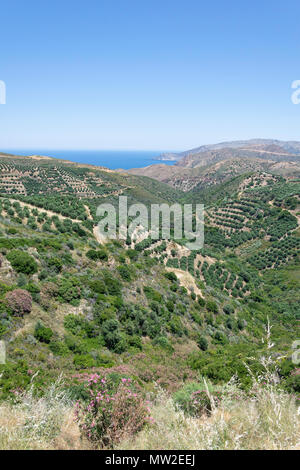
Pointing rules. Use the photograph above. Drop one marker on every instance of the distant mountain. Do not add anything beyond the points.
(212, 164)
(272, 149)
(265, 149)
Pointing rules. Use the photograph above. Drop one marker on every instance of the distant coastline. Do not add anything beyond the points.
(112, 159)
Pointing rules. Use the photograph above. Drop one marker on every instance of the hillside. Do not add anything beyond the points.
(36, 175)
(211, 165)
(259, 146)
(275, 154)
(186, 178)
(149, 311)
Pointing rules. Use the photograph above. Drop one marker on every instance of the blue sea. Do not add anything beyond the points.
(109, 158)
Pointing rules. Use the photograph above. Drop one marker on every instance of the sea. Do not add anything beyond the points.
(112, 159)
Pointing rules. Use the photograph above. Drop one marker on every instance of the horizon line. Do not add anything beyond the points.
(23, 149)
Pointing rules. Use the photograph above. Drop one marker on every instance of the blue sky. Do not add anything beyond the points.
(147, 74)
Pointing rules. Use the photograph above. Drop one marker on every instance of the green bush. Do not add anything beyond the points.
(228, 309)
(98, 286)
(58, 348)
(55, 263)
(42, 333)
(292, 384)
(22, 262)
(125, 273)
(113, 286)
(152, 294)
(193, 399)
(164, 343)
(69, 289)
(212, 306)
(96, 255)
(113, 338)
(84, 361)
(202, 343)
(13, 376)
(220, 337)
(132, 254)
(176, 326)
(171, 276)
(135, 342)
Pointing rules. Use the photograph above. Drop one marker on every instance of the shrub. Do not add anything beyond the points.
(68, 289)
(196, 317)
(202, 343)
(135, 342)
(228, 309)
(152, 294)
(42, 333)
(102, 255)
(115, 410)
(170, 305)
(96, 255)
(84, 361)
(292, 384)
(163, 342)
(98, 286)
(75, 324)
(12, 231)
(112, 285)
(171, 276)
(212, 306)
(202, 401)
(176, 326)
(92, 254)
(34, 290)
(19, 301)
(14, 376)
(58, 348)
(124, 273)
(22, 262)
(195, 398)
(220, 337)
(56, 264)
(132, 254)
(113, 337)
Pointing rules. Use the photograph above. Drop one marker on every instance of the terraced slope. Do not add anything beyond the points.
(149, 309)
(31, 176)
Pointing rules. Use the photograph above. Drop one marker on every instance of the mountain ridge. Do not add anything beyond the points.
(212, 164)
(290, 146)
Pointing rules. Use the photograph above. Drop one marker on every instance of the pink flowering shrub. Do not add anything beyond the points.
(113, 412)
(19, 301)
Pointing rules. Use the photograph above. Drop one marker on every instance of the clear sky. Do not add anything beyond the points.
(138, 74)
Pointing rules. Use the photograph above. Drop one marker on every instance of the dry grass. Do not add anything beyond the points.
(265, 418)
(40, 423)
(269, 420)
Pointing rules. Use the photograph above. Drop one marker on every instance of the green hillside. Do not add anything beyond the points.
(151, 310)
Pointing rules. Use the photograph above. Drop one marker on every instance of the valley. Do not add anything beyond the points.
(72, 304)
